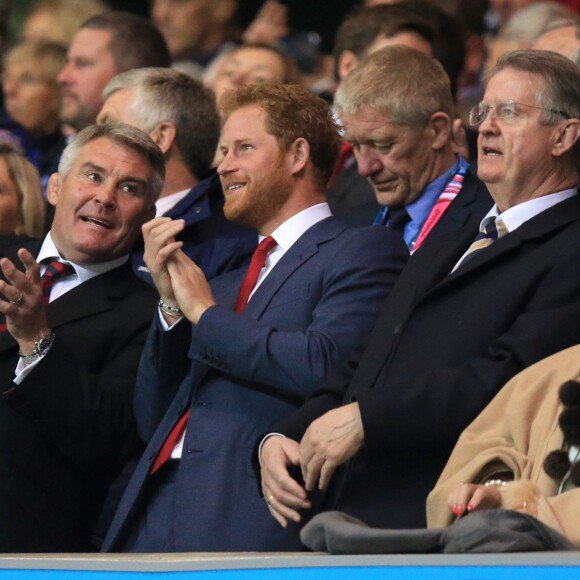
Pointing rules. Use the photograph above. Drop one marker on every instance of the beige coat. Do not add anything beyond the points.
(514, 433)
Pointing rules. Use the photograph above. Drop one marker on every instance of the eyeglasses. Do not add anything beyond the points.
(505, 110)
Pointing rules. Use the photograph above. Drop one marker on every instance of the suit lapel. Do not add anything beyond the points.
(87, 299)
(432, 264)
(301, 251)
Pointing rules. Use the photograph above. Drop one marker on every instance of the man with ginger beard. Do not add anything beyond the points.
(256, 342)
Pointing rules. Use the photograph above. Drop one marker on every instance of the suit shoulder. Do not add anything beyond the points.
(371, 238)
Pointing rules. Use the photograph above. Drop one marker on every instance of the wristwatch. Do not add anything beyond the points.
(41, 347)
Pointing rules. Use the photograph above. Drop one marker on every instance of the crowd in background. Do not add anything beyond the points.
(286, 43)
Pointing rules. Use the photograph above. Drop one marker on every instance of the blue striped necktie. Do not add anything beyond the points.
(491, 229)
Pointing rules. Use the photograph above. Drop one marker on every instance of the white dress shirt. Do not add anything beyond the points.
(515, 216)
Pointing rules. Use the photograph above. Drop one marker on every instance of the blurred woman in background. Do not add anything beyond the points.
(32, 99)
(22, 207)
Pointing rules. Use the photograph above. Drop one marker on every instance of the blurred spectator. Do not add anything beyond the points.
(562, 37)
(32, 98)
(370, 29)
(252, 64)
(21, 203)
(524, 26)
(58, 20)
(104, 46)
(10, 132)
(195, 29)
(269, 25)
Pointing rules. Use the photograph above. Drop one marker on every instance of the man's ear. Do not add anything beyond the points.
(53, 188)
(440, 128)
(164, 135)
(347, 61)
(300, 155)
(567, 135)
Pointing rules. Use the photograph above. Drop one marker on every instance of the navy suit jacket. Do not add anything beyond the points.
(68, 428)
(245, 371)
(215, 244)
(442, 347)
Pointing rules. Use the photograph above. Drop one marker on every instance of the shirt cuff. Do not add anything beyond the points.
(164, 326)
(264, 441)
(23, 369)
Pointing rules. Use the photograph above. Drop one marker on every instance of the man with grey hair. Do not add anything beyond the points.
(397, 111)
(181, 116)
(469, 311)
(74, 322)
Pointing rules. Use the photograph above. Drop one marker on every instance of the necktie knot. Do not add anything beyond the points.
(55, 270)
(397, 219)
(490, 229)
(256, 264)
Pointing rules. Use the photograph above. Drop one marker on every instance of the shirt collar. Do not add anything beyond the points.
(85, 272)
(515, 216)
(287, 233)
(164, 204)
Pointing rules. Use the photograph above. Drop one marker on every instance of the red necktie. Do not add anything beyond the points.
(256, 264)
(54, 271)
(170, 442)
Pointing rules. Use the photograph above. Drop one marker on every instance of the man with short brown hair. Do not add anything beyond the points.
(75, 324)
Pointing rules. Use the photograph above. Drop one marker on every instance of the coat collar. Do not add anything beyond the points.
(196, 205)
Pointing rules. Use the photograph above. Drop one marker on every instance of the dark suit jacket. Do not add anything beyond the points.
(66, 430)
(209, 239)
(472, 203)
(443, 345)
(351, 198)
(246, 370)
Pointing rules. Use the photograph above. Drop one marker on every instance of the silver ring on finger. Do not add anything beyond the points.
(269, 500)
(18, 301)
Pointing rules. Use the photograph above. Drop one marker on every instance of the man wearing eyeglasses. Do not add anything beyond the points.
(469, 311)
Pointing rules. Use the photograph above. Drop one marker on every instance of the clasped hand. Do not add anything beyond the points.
(179, 281)
(329, 442)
